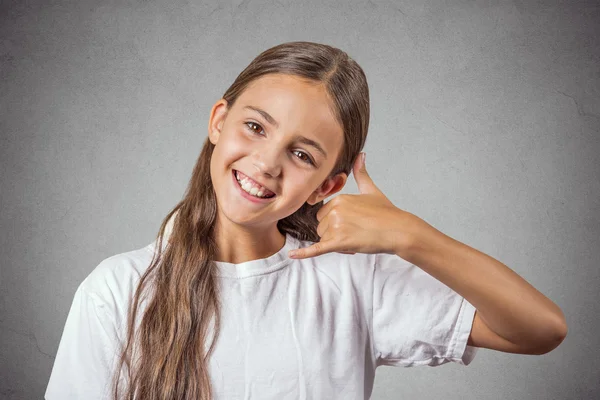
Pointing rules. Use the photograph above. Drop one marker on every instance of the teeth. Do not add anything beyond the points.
(249, 187)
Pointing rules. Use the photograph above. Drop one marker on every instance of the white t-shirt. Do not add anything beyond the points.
(313, 328)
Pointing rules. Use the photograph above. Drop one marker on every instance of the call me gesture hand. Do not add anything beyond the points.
(511, 315)
(361, 223)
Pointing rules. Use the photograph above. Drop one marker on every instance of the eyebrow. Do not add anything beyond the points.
(301, 139)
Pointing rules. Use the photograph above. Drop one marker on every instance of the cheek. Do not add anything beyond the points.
(299, 193)
(234, 146)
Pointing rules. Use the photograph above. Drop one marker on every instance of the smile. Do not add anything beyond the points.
(251, 190)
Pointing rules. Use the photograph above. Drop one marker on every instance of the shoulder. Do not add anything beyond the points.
(114, 280)
(358, 267)
(373, 261)
(391, 268)
(362, 266)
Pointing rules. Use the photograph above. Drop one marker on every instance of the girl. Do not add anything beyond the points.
(219, 307)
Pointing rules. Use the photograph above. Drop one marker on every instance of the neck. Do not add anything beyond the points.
(237, 244)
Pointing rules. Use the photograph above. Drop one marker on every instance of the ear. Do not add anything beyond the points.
(217, 118)
(329, 187)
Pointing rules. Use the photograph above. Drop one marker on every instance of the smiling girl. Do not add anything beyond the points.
(218, 307)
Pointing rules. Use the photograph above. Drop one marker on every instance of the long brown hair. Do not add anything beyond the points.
(166, 357)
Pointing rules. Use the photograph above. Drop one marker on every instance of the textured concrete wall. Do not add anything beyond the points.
(485, 122)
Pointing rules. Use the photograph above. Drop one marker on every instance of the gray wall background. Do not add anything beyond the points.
(485, 122)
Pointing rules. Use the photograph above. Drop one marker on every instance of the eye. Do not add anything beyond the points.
(251, 124)
(307, 159)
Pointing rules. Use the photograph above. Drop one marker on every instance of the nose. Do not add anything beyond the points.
(266, 161)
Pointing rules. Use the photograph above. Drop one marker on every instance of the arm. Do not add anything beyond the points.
(512, 316)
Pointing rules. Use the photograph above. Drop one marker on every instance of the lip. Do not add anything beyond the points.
(255, 181)
(247, 195)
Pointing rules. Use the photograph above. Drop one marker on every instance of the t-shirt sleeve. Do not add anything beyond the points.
(87, 351)
(417, 319)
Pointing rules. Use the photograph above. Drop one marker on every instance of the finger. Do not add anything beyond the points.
(363, 180)
(322, 227)
(323, 211)
(314, 250)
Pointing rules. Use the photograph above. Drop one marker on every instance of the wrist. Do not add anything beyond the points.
(420, 238)
(404, 235)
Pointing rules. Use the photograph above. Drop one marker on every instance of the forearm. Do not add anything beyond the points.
(510, 306)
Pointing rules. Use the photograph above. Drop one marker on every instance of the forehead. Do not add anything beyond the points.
(298, 105)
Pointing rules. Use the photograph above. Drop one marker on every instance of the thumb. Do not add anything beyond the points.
(363, 180)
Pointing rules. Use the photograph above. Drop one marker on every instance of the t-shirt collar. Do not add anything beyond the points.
(262, 265)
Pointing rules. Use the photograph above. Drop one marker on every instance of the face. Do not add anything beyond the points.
(282, 134)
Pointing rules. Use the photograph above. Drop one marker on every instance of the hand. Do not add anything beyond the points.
(361, 223)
